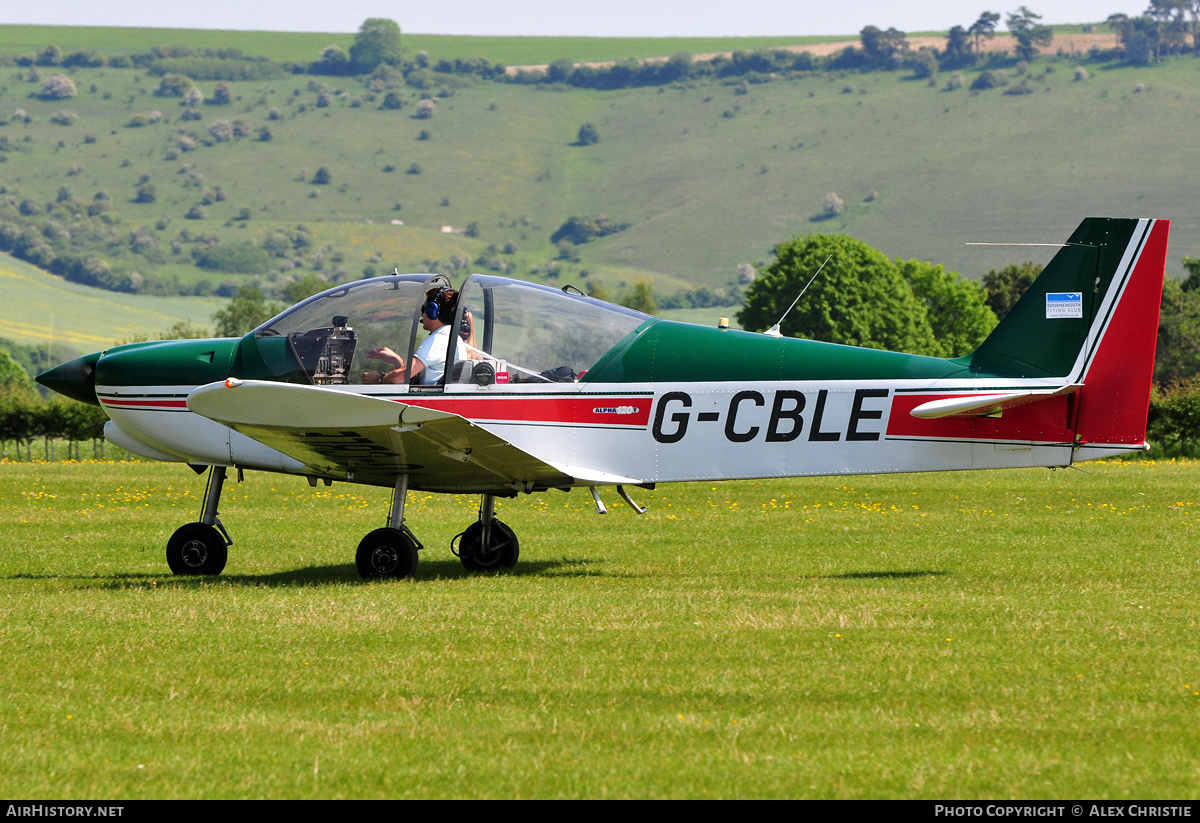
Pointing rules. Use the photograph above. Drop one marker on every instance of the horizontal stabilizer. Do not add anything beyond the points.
(985, 405)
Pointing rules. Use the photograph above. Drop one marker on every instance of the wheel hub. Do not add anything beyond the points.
(194, 553)
(385, 559)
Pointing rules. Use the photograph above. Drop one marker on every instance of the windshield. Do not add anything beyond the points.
(329, 335)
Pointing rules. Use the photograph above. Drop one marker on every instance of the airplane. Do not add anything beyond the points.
(546, 388)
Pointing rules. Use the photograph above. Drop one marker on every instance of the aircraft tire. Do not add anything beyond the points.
(387, 553)
(502, 554)
(197, 549)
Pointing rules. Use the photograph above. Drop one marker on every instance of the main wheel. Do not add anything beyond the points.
(501, 552)
(197, 548)
(387, 553)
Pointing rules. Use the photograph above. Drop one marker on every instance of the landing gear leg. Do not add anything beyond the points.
(487, 543)
(390, 551)
(203, 547)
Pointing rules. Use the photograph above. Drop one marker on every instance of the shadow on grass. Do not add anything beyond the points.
(882, 575)
(332, 575)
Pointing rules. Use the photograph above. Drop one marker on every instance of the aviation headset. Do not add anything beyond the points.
(433, 308)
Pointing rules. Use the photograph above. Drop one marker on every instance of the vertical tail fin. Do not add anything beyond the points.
(1091, 317)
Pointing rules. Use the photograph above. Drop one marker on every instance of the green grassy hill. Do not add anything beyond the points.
(707, 174)
(304, 47)
(45, 310)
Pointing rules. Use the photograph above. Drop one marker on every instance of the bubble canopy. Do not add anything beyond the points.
(504, 331)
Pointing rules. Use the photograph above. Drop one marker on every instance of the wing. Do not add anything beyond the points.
(349, 436)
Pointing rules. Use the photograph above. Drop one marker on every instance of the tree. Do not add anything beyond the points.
(984, 27)
(640, 298)
(588, 135)
(958, 49)
(322, 177)
(13, 376)
(956, 309)
(1005, 287)
(1177, 356)
(1028, 32)
(884, 49)
(860, 298)
(222, 95)
(247, 310)
(305, 287)
(377, 41)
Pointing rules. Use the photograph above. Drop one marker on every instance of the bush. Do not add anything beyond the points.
(221, 130)
(64, 117)
(426, 108)
(832, 205)
(242, 258)
(174, 85)
(580, 230)
(58, 87)
(588, 135)
(986, 80)
(322, 177)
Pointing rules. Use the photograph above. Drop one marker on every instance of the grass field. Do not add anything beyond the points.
(53, 311)
(1029, 634)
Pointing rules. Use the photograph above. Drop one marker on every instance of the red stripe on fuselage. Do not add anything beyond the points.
(589, 411)
(146, 404)
(1045, 421)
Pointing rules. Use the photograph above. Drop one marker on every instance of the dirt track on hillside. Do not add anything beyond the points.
(1078, 44)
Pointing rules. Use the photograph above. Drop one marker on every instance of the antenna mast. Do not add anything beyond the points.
(774, 330)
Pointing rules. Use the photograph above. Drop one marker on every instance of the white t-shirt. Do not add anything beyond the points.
(432, 352)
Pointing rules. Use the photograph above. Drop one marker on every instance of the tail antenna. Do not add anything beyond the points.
(774, 330)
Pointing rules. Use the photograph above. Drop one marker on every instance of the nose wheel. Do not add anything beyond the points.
(197, 548)
(203, 547)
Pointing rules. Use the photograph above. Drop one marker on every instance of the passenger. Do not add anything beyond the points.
(429, 360)
(467, 332)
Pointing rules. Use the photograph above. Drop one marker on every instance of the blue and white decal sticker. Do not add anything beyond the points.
(1064, 304)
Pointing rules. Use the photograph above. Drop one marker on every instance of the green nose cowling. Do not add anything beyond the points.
(75, 379)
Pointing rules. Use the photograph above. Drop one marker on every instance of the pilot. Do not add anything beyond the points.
(429, 360)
